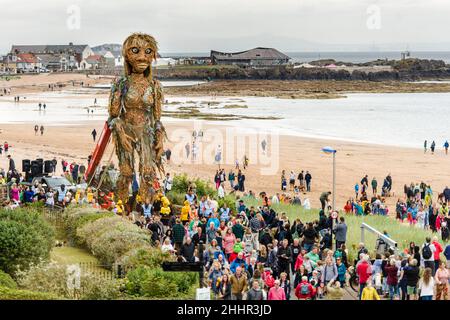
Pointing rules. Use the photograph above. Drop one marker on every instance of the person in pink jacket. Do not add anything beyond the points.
(228, 242)
(442, 276)
(276, 292)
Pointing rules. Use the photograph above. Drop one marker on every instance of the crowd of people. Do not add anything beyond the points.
(256, 253)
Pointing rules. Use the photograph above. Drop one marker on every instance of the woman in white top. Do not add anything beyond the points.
(167, 246)
(426, 285)
(49, 196)
(221, 191)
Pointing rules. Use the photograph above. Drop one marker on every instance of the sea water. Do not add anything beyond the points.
(397, 119)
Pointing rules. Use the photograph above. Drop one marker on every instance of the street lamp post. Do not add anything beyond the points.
(330, 150)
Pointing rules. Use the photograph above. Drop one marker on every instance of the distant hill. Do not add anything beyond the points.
(114, 48)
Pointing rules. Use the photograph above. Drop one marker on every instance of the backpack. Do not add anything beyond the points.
(426, 252)
(304, 289)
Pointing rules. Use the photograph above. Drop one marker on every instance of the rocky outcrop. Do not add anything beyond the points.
(405, 70)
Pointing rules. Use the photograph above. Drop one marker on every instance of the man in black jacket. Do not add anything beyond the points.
(265, 238)
(12, 165)
(199, 236)
(308, 179)
(296, 248)
(284, 257)
(309, 237)
(187, 250)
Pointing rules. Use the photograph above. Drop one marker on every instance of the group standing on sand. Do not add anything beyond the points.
(433, 146)
(38, 128)
(304, 181)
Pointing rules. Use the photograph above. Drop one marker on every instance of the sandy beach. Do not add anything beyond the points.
(74, 143)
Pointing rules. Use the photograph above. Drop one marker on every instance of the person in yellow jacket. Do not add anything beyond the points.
(77, 196)
(165, 210)
(369, 292)
(120, 209)
(90, 195)
(185, 212)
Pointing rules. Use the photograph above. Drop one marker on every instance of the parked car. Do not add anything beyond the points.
(54, 182)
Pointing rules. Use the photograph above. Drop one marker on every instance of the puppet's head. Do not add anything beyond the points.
(139, 50)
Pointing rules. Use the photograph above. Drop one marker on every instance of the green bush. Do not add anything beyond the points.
(77, 217)
(92, 230)
(150, 257)
(111, 237)
(230, 200)
(176, 198)
(7, 281)
(181, 184)
(53, 278)
(155, 283)
(14, 294)
(25, 239)
(112, 244)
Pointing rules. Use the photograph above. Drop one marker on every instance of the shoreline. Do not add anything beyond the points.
(284, 89)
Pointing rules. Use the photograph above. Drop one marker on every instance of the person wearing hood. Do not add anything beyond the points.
(120, 209)
(185, 210)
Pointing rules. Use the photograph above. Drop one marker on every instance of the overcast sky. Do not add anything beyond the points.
(202, 25)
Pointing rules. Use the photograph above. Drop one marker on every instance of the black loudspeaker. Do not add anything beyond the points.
(36, 168)
(48, 166)
(40, 161)
(26, 165)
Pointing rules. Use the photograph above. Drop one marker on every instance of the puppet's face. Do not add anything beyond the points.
(140, 56)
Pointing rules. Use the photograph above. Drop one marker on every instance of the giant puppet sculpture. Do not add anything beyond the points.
(135, 113)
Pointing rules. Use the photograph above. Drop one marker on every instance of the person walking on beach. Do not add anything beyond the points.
(301, 179)
(40, 106)
(94, 134)
(291, 181)
(42, 130)
(263, 146)
(374, 186)
(308, 179)
(36, 129)
(324, 199)
(425, 147)
(188, 149)
(245, 162)
(433, 146)
(12, 165)
(241, 180)
(194, 151)
(446, 145)
(168, 155)
(44, 106)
